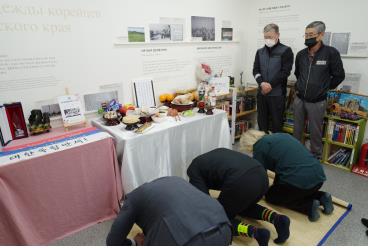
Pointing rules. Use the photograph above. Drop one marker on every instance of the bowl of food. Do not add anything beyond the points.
(131, 122)
(111, 118)
(183, 102)
(182, 107)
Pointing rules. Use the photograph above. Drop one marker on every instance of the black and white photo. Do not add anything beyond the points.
(226, 34)
(203, 27)
(160, 32)
(72, 112)
(51, 109)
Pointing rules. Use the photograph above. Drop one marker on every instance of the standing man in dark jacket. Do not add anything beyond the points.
(318, 69)
(170, 211)
(272, 66)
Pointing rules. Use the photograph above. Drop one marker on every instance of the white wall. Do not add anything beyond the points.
(84, 51)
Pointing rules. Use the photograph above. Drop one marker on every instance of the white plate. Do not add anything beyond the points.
(163, 108)
(182, 103)
(159, 119)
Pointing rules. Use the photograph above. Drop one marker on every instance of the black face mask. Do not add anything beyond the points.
(310, 42)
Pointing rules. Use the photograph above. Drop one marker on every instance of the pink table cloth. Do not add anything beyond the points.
(51, 196)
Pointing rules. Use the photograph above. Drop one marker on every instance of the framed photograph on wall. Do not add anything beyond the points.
(160, 32)
(226, 34)
(136, 34)
(203, 27)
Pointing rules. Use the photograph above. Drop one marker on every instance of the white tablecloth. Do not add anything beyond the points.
(168, 148)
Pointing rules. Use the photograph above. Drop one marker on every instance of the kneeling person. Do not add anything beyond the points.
(298, 174)
(243, 182)
(170, 211)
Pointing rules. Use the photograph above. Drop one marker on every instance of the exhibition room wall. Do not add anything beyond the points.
(81, 45)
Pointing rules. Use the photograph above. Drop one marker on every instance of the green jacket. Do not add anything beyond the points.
(292, 163)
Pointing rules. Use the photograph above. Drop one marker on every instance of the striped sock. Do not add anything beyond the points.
(262, 235)
(246, 230)
(268, 215)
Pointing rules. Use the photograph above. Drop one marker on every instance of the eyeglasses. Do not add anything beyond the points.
(310, 35)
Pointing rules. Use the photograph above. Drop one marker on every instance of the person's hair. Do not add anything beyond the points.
(318, 25)
(249, 138)
(271, 27)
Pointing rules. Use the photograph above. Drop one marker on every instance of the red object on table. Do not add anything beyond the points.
(362, 167)
(16, 119)
(51, 196)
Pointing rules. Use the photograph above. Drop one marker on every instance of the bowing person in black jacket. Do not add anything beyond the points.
(170, 211)
(243, 182)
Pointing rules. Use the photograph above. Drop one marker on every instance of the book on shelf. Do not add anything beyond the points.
(342, 132)
(341, 157)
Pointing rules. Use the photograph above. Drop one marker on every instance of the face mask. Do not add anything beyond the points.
(270, 42)
(311, 42)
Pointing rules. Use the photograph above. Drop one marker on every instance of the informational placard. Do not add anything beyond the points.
(359, 49)
(221, 85)
(71, 110)
(144, 93)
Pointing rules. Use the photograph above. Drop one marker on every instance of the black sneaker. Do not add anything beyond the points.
(365, 222)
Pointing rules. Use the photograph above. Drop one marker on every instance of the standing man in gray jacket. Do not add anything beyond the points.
(319, 68)
(272, 66)
(170, 211)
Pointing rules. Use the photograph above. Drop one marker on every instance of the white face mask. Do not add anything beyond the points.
(270, 42)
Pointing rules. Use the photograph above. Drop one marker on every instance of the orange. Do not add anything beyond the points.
(163, 97)
(196, 96)
(170, 97)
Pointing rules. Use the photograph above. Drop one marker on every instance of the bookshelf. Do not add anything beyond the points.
(343, 139)
(243, 113)
(239, 104)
